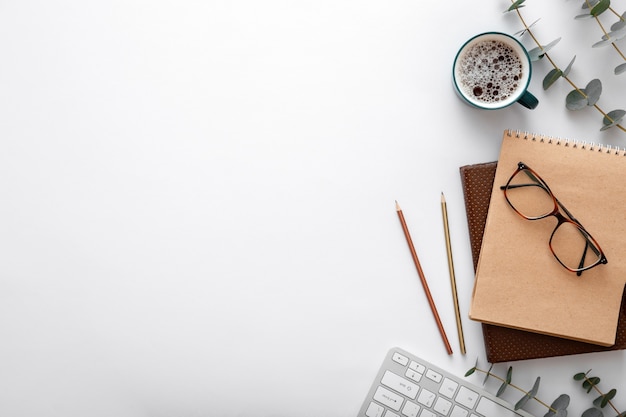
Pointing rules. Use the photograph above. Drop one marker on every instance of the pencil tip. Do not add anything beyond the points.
(443, 198)
(397, 206)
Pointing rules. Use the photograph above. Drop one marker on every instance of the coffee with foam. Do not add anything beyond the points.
(492, 70)
(489, 71)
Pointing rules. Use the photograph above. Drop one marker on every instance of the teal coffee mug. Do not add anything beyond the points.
(492, 70)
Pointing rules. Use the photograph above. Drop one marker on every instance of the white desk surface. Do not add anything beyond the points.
(197, 211)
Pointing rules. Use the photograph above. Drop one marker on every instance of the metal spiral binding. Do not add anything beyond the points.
(589, 146)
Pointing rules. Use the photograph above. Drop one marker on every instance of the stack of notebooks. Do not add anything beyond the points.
(529, 305)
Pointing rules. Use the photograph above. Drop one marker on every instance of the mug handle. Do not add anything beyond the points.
(528, 100)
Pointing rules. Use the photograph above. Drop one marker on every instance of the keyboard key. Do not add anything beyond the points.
(467, 397)
(399, 384)
(427, 413)
(435, 376)
(442, 406)
(426, 398)
(388, 398)
(419, 368)
(488, 408)
(411, 374)
(448, 388)
(401, 359)
(410, 409)
(375, 410)
(391, 414)
(458, 411)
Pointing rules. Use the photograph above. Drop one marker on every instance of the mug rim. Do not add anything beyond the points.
(512, 100)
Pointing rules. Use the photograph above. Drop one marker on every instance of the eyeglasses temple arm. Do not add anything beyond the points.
(512, 186)
(581, 264)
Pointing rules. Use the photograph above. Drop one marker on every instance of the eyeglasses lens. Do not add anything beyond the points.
(529, 196)
(573, 247)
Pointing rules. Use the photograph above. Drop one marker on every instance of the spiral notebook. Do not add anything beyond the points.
(503, 344)
(519, 284)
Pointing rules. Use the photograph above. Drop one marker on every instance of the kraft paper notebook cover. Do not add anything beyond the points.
(503, 344)
(519, 284)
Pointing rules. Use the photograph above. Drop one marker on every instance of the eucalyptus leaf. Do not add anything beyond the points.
(506, 382)
(538, 52)
(580, 376)
(618, 34)
(557, 413)
(610, 395)
(601, 401)
(535, 389)
(583, 16)
(615, 35)
(600, 8)
(621, 23)
(558, 408)
(526, 29)
(604, 399)
(522, 402)
(530, 394)
(598, 401)
(551, 78)
(613, 118)
(592, 412)
(501, 389)
(603, 42)
(593, 91)
(509, 375)
(569, 67)
(620, 68)
(561, 402)
(576, 100)
(551, 45)
(472, 370)
(488, 374)
(589, 3)
(516, 5)
(594, 380)
(535, 54)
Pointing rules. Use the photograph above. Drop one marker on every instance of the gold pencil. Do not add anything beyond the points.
(455, 298)
(433, 308)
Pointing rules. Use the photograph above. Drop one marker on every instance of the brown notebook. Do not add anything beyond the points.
(503, 344)
(521, 279)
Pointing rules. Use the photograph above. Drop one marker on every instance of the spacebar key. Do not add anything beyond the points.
(488, 408)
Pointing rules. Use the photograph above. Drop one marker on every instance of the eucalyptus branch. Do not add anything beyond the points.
(591, 383)
(578, 98)
(601, 6)
(557, 409)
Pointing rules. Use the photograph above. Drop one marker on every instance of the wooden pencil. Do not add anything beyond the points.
(420, 272)
(455, 298)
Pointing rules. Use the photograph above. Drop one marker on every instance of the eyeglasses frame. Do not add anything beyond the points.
(561, 219)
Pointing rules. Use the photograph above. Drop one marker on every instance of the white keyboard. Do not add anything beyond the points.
(408, 386)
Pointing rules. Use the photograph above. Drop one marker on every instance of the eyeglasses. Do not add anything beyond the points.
(570, 243)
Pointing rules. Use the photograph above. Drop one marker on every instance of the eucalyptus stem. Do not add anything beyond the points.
(597, 18)
(556, 67)
(595, 387)
(499, 378)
